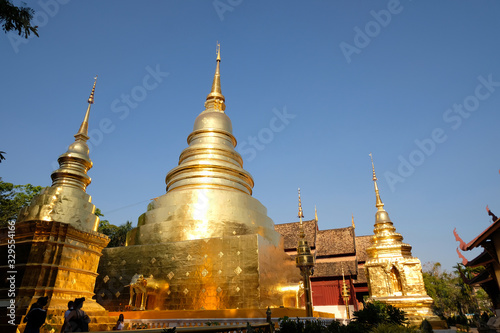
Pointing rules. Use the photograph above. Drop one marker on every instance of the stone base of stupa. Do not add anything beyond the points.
(417, 308)
(52, 259)
(235, 272)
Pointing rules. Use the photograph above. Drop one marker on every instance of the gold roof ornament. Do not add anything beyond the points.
(315, 214)
(75, 162)
(215, 99)
(352, 221)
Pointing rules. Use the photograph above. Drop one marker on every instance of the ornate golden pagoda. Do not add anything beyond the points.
(207, 240)
(57, 240)
(394, 276)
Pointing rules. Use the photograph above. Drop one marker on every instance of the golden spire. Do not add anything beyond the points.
(352, 221)
(74, 163)
(82, 133)
(379, 204)
(385, 235)
(301, 215)
(215, 100)
(315, 214)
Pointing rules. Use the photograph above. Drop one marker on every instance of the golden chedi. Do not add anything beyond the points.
(57, 244)
(209, 241)
(394, 275)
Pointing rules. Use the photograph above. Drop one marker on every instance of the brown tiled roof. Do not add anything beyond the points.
(290, 232)
(481, 260)
(361, 278)
(362, 243)
(331, 269)
(335, 242)
(333, 246)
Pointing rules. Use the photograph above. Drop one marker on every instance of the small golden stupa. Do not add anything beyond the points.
(206, 244)
(394, 275)
(57, 242)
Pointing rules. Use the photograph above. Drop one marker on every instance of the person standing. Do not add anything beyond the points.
(36, 316)
(77, 320)
(70, 308)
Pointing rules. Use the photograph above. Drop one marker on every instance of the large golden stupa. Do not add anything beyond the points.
(394, 275)
(206, 243)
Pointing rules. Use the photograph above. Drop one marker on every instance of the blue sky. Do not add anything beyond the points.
(417, 83)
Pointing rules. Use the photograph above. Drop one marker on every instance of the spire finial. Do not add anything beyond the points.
(91, 97)
(215, 100)
(75, 162)
(315, 213)
(82, 133)
(379, 204)
(352, 221)
(301, 215)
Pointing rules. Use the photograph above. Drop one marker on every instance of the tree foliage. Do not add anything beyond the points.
(118, 234)
(451, 295)
(377, 313)
(17, 18)
(376, 317)
(13, 198)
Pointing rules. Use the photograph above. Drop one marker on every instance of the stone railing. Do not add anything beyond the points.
(133, 324)
(266, 327)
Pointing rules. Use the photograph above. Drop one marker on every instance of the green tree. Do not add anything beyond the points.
(17, 18)
(442, 287)
(118, 234)
(13, 198)
(377, 313)
(473, 299)
(376, 317)
(451, 295)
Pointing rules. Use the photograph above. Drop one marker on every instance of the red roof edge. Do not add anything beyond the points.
(482, 236)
